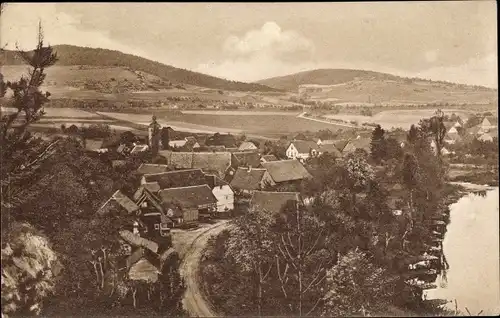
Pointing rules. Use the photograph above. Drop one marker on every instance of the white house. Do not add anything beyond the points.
(301, 149)
(222, 192)
(489, 122)
(177, 143)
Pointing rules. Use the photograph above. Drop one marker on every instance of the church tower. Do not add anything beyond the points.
(154, 136)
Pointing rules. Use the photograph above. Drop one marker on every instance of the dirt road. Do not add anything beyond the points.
(194, 301)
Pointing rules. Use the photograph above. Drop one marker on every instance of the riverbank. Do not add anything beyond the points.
(471, 249)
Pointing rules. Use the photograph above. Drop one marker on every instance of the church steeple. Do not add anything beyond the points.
(154, 136)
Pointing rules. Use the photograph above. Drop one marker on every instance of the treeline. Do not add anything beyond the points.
(58, 257)
(75, 55)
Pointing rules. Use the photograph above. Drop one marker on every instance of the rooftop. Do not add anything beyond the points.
(247, 179)
(149, 168)
(193, 196)
(286, 170)
(177, 178)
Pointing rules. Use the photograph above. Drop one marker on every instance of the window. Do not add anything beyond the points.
(157, 226)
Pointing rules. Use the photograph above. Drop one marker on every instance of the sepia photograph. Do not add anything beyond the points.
(281, 159)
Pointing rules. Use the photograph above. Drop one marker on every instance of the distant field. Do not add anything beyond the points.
(398, 118)
(61, 112)
(268, 125)
(238, 112)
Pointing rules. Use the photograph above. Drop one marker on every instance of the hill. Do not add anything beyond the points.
(360, 86)
(102, 58)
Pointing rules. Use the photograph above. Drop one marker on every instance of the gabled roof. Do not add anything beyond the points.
(247, 145)
(361, 143)
(273, 202)
(330, 148)
(152, 187)
(176, 179)
(267, 158)
(189, 196)
(245, 159)
(304, 146)
(118, 199)
(492, 119)
(149, 168)
(453, 136)
(144, 270)
(474, 130)
(286, 170)
(341, 144)
(207, 161)
(247, 179)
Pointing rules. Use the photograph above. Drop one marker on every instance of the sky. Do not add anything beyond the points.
(453, 41)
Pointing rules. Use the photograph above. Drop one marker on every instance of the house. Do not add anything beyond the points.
(452, 138)
(300, 136)
(226, 140)
(476, 130)
(155, 216)
(489, 136)
(120, 204)
(149, 168)
(444, 150)
(176, 178)
(245, 159)
(247, 180)
(247, 145)
(193, 201)
(489, 122)
(177, 143)
(330, 148)
(191, 144)
(344, 146)
(274, 202)
(210, 162)
(223, 192)
(301, 149)
(286, 171)
(451, 128)
(267, 158)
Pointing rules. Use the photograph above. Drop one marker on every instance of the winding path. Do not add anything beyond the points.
(194, 301)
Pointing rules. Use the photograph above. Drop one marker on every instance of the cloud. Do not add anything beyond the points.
(261, 53)
(20, 23)
(476, 71)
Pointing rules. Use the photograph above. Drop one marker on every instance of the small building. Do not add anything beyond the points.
(301, 149)
(222, 192)
(226, 140)
(177, 143)
(286, 171)
(247, 180)
(247, 146)
(452, 138)
(489, 122)
(274, 202)
(194, 201)
(489, 136)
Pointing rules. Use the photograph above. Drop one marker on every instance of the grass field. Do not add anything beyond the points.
(268, 125)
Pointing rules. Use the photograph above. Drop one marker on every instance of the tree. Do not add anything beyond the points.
(378, 145)
(435, 128)
(165, 137)
(251, 246)
(301, 258)
(357, 287)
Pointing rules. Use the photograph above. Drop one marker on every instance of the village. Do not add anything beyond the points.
(192, 187)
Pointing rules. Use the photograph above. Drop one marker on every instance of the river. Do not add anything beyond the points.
(471, 247)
